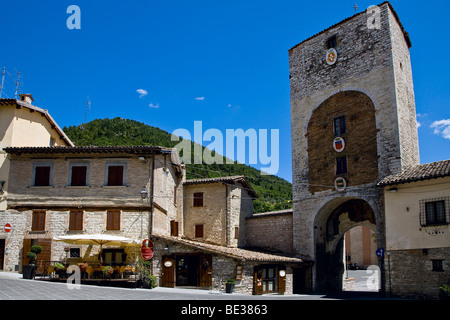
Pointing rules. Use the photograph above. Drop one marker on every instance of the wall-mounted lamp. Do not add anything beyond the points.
(393, 190)
(142, 158)
(144, 193)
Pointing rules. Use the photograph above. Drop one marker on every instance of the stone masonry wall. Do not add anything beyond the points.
(409, 273)
(270, 231)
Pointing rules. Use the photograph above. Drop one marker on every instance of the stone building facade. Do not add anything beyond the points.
(198, 227)
(417, 211)
(353, 122)
(57, 191)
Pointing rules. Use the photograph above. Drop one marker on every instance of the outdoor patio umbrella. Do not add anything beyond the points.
(97, 239)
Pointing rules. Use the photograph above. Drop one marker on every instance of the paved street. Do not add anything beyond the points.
(13, 287)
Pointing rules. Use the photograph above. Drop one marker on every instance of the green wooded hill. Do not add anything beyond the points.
(274, 192)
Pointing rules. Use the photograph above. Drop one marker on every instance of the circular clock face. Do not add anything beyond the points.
(331, 56)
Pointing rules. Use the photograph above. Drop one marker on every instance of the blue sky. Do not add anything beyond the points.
(224, 63)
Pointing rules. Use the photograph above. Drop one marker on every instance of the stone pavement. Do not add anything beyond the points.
(13, 287)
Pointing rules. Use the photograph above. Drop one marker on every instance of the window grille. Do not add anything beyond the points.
(435, 211)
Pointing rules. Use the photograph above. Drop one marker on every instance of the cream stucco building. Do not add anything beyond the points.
(24, 125)
(417, 213)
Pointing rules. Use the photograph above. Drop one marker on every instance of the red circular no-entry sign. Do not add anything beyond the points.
(7, 227)
(147, 249)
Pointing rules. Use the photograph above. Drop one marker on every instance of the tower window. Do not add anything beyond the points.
(341, 165)
(332, 42)
(339, 126)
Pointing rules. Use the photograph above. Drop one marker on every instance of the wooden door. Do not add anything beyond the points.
(168, 272)
(43, 258)
(258, 281)
(205, 272)
(26, 248)
(281, 281)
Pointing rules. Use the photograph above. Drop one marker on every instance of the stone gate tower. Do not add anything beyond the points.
(353, 122)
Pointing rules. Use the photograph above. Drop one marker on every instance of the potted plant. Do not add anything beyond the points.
(29, 271)
(144, 270)
(108, 271)
(59, 268)
(229, 285)
(444, 292)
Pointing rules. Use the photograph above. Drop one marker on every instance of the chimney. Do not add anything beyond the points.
(26, 97)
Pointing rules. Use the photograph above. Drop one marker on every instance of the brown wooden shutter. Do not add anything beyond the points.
(198, 199)
(42, 176)
(38, 221)
(174, 195)
(76, 220)
(78, 176)
(174, 228)
(199, 231)
(115, 175)
(113, 220)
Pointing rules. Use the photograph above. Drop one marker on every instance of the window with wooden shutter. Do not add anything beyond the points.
(199, 230)
(78, 175)
(76, 220)
(236, 232)
(42, 176)
(174, 228)
(115, 175)
(113, 220)
(38, 223)
(174, 195)
(198, 199)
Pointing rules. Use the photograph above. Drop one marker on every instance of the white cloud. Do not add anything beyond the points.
(142, 92)
(155, 106)
(418, 124)
(200, 98)
(442, 127)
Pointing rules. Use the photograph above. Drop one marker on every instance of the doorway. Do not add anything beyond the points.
(299, 280)
(187, 270)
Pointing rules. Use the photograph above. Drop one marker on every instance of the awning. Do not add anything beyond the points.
(97, 239)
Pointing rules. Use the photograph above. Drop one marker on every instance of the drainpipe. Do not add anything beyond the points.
(152, 180)
(226, 216)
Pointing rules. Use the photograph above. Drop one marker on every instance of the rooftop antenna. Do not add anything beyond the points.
(17, 84)
(3, 81)
(356, 8)
(88, 106)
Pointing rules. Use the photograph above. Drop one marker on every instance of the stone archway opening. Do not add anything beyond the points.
(332, 223)
(362, 273)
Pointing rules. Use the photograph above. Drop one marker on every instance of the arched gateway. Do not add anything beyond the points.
(332, 221)
(353, 122)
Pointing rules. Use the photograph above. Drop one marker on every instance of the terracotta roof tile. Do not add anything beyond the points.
(227, 180)
(236, 253)
(422, 172)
